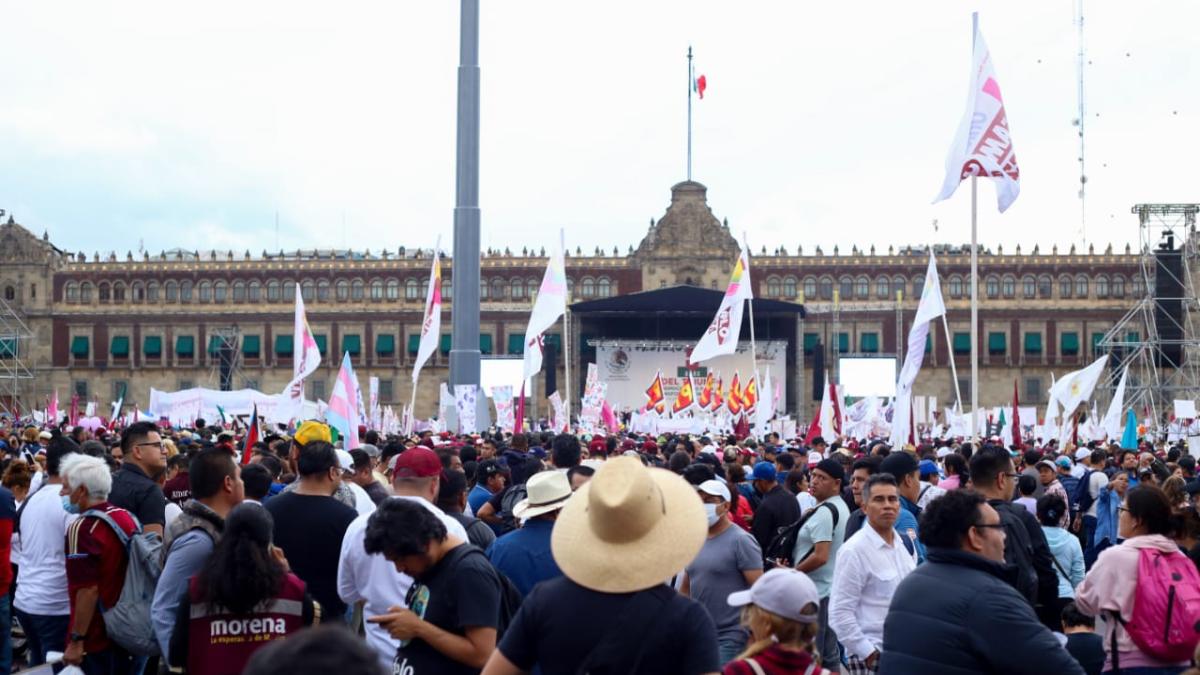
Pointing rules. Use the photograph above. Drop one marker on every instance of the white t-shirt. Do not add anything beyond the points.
(1096, 482)
(43, 586)
(171, 512)
(372, 579)
(362, 501)
(806, 501)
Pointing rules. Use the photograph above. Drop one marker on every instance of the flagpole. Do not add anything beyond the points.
(567, 360)
(689, 126)
(974, 315)
(750, 300)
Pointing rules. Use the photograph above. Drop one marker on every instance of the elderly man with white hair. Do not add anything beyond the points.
(96, 561)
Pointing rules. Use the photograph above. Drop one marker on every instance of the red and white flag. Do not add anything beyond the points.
(306, 355)
(253, 433)
(700, 84)
(983, 146)
(431, 323)
(550, 305)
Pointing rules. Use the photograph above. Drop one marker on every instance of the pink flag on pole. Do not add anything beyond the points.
(983, 146)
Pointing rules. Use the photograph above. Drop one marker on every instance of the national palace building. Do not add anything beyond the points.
(103, 324)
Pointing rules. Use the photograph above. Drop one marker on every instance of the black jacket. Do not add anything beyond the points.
(1026, 548)
(778, 508)
(958, 614)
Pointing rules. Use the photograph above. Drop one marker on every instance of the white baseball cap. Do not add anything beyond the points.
(782, 591)
(1083, 453)
(943, 452)
(715, 488)
(345, 460)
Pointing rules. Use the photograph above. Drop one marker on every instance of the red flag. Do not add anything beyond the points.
(73, 416)
(734, 401)
(654, 395)
(814, 430)
(701, 85)
(1016, 421)
(912, 427)
(706, 393)
(741, 429)
(686, 396)
(519, 425)
(252, 434)
(750, 395)
(718, 398)
(837, 408)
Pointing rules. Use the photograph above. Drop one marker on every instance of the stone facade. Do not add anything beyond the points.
(113, 323)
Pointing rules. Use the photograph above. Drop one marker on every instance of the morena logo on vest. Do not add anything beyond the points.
(220, 628)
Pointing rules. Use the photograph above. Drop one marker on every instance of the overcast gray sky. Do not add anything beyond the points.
(823, 123)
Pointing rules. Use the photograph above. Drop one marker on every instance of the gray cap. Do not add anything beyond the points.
(371, 450)
(782, 591)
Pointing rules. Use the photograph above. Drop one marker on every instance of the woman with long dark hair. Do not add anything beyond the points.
(243, 599)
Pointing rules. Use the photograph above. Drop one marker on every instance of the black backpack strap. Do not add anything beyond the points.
(833, 512)
(632, 626)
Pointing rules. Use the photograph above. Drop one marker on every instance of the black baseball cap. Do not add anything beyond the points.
(899, 464)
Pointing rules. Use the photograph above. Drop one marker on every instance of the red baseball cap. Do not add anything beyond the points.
(417, 462)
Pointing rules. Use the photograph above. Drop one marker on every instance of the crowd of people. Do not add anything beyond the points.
(151, 549)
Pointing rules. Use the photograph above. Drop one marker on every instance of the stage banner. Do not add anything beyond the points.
(626, 367)
(185, 406)
(464, 404)
(502, 398)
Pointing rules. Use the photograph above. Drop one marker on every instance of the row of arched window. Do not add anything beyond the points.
(956, 286)
(322, 290)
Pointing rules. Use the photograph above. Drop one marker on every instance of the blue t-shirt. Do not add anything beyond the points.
(906, 526)
(477, 497)
(524, 555)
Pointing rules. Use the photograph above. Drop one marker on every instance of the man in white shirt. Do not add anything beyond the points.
(371, 579)
(42, 606)
(871, 564)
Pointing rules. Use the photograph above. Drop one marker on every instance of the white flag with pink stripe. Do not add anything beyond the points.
(983, 146)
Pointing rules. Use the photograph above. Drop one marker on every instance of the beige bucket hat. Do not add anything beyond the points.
(548, 490)
(629, 528)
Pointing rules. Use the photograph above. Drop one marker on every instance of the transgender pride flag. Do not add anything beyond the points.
(343, 405)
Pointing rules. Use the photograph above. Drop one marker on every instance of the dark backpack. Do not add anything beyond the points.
(510, 499)
(1081, 496)
(510, 595)
(1018, 550)
(783, 544)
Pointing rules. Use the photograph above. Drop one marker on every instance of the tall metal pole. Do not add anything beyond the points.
(689, 90)
(974, 282)
(464, 312)
(974, 319)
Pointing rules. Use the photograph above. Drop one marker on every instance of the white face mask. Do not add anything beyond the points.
(711, 511)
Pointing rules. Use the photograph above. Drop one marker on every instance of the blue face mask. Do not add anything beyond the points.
(68, 506)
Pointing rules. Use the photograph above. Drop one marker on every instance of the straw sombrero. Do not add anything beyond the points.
(629, 528)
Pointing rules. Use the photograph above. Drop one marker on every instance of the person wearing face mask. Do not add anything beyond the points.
(95, 565)
(729, 562)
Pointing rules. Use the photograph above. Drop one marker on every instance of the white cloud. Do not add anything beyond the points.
(822, 124)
